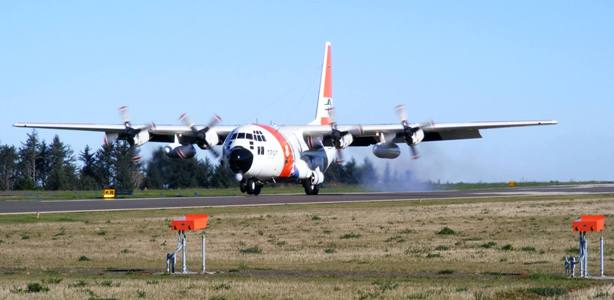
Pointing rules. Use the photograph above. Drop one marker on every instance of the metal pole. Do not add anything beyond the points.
(204, 253)
(581, 254)
(601, 255)
(168, 263)
(184, 250)
(585, 256)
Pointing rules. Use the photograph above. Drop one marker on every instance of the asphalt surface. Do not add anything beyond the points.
(34, 206)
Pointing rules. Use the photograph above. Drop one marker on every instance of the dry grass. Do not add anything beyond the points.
(358, 250)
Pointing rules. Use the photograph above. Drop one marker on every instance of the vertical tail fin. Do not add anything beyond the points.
(325, 96)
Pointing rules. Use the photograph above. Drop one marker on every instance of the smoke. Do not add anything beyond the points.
(397, 175)
(434, 168)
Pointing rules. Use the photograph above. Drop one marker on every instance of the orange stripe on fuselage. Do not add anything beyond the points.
(286, 171)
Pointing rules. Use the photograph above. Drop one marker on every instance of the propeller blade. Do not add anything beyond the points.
(339, 159)
(200, 135)
(216, 119)
(123, 113)
(402, 113)
(414, 152)
(187, 121)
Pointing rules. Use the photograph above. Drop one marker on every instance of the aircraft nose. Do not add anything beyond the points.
(240, 160)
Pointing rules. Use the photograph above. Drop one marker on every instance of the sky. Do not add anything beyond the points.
(260, 61)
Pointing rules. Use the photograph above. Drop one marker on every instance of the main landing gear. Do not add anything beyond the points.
(253, 186)
(250, 186)
(310, 188)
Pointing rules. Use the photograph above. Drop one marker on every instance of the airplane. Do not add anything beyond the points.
(259, 153)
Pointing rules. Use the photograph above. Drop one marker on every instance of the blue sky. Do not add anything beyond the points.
(77, 61)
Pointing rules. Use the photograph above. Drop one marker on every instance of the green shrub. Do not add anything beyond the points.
(80, 283)
(528, 249)
(251, 250)
(35, 287)
(507, 247)
(222, 286)
(350, 235)
(548, 291)
(488, 245)
(52, 280)
(84, 258)
(446, 272)
(386, 285)
(446, 231)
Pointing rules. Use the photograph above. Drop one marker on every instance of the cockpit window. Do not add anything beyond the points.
(234, 136)
(249, 136)
(241, 135)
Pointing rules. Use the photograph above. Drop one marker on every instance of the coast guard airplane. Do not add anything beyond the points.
(258, 153)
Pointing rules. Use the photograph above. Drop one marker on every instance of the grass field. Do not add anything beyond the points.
(189, 192)
(269, 189)
(441, 249)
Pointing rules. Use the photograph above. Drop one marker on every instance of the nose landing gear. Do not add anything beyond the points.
(250, 186)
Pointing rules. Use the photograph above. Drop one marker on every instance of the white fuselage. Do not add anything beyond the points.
(276, 154)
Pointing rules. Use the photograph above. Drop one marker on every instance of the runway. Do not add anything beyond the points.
(56, 206)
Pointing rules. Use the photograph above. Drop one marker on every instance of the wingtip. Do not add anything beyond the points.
(19, 125)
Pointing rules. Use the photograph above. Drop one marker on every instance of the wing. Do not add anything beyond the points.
(365, 135)
(157, 133)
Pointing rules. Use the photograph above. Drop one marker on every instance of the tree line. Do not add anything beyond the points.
(38, 165)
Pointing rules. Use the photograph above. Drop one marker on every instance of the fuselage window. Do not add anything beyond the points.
(241, 135)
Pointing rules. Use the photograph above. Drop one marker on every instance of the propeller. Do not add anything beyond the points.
(130, 132)
(409, 131)
(200, 136)
(337, 136)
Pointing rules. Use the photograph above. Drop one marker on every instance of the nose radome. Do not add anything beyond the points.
(240, 160)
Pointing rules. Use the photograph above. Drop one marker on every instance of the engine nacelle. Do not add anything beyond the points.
(181, 151)
(386, 150)
(212, 139)
(346, 140)
(418, 136)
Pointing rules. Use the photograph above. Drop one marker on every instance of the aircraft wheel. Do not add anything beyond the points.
(252, 187)
(311, 189)
(257, 189)
(243, 186)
